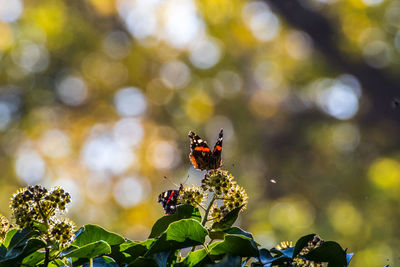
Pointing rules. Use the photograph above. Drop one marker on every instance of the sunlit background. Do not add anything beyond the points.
(98, 96)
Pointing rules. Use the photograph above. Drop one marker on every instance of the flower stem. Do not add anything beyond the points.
(46, 256)
(208, 210)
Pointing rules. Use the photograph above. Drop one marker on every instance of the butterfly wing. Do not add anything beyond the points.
(217, 151)
(200, 153)
(169, 201)
(201, 156)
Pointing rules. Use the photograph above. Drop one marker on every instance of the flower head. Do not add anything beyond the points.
(4, 227)
(192, 195)
(61, 232)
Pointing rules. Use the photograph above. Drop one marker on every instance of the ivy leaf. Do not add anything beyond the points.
(10, 234)
(183, 212)
(102, 261)
(228, 260)
(330, 252)
(180, 234)
(34, 258)
(91, 250)
(19, 250)
(90, 233)
(143, 262)
(227, 221)
(265, 256)
(236, 245)
(238, 231)
(195, 258)
(130, 250)
(301, 243)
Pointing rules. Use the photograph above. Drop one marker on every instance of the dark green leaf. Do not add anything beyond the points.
(288, 252)
(102, 261)
(330, 252)
(183, 212)
(238, 231)
(161, 257)
(216, 234)
(130, 250)
(227, 221)
(143, 262)
(236, 245)
(228, 260)
(33, 259)
(265, 256)
(90, 250)
(301, 243)
(91, 233)
(196, 258)
(21, 250)
(3, 251)
(20, 238)
(180, 234)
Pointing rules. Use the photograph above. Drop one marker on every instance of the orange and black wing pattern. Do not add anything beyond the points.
(201, 156)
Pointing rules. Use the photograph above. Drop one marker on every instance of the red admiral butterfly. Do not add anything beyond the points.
(201, 156)
(169, 200)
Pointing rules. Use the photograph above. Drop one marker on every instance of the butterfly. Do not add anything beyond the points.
(169, 200)
(201, 156)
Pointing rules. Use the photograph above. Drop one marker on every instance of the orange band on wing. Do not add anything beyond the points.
(200, 148)
(193, 160)
(219, 148)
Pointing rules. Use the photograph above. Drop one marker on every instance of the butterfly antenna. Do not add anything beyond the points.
(187, 178)
(166, 178)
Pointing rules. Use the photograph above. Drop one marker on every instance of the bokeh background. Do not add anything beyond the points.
(98, 96)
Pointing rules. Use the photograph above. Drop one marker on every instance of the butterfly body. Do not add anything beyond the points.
(201, 156)
(169, 200)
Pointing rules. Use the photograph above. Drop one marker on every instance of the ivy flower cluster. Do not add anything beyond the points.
(36, 207)
(61, 232)
(227, 191)
(4, 226)
(192, 195)
(227, 195)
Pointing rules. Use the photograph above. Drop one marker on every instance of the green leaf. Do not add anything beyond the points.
(180, 234)
(57, 263)
(102, 261)
(90, 250)
(161, 257)
(228, 220)
(196, 258)
(265, 256)
(216, 235)
(130, 250)
(20, 250)
(330, 252)
(301, 243)
(34, 258)
(20, 237)
(9, 236)
(183, 212)
(228, 260)
(238, 231)
(143, 262)
(187, 228)
(236, 245)
(90, 233)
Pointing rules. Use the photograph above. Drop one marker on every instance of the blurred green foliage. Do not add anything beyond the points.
(98, 96)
